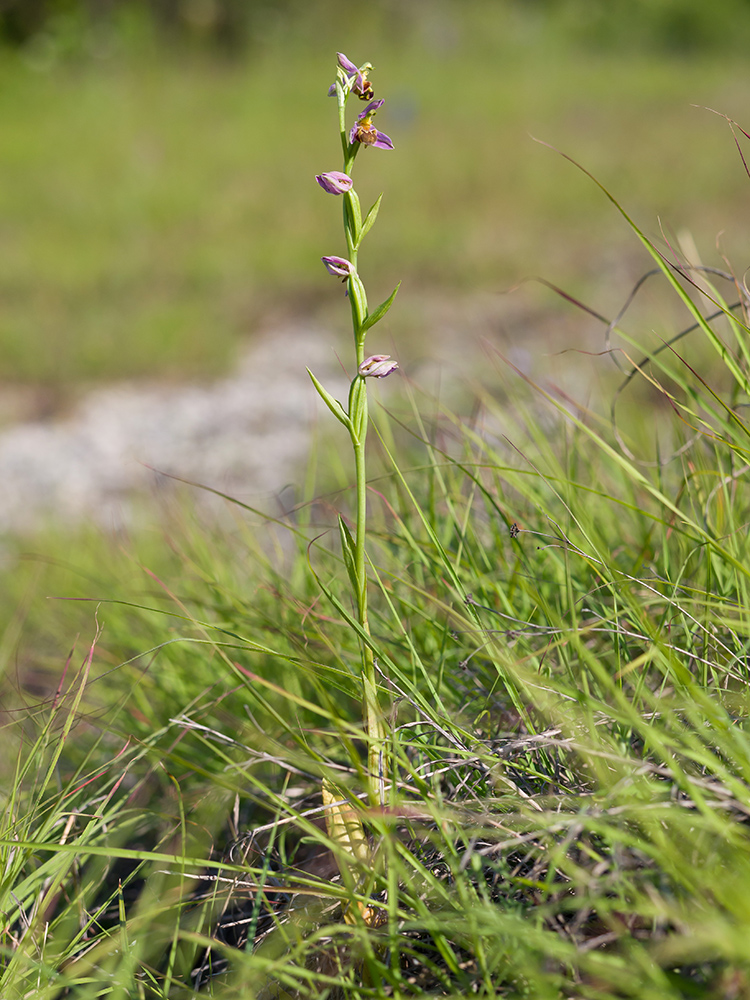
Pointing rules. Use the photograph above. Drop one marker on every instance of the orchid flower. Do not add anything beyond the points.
(365, 132)
(361, 85)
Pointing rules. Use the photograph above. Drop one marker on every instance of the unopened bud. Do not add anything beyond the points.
(377, 366)
(335, 182)
(339, 267)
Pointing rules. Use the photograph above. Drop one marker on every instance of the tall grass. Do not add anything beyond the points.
(558, 616)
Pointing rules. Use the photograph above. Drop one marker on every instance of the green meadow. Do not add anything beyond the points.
(156, 206)
(556, 556)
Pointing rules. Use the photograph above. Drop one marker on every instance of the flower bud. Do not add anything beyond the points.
(334, 182)
(361, 86)
(377, 366)
(339, 267)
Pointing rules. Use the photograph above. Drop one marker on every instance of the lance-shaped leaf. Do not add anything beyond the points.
(347, 548)
(370, 219)
(344, 824)
(358, 410)
(376, 316)
(348, 835)
(358, 297)
(333, 404)
(354, 215)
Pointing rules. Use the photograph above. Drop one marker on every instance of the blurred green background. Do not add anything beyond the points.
(157, 201)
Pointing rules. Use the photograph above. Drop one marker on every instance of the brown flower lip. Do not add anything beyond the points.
(365, 132)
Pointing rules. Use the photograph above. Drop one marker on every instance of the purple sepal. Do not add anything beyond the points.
(334, 182)
(339, 267)
(377, 366)
(347, 65)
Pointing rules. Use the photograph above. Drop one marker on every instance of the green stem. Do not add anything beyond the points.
(350, 149)
(370, 706)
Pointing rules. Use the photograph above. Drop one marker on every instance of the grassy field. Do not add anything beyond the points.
(561, 632)
(154, 209)
(558, 632)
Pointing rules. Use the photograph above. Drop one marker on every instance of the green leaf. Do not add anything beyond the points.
(375, 317)
(354, 215)
(358, 410)
(358, 297)
(347, 547)
(333, 404)
(369, 220)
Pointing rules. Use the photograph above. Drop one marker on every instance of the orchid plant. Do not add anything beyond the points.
(351, 79)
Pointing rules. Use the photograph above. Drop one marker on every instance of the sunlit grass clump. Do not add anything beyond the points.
(554, 656)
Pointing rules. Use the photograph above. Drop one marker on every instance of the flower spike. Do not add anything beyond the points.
(345, 827)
